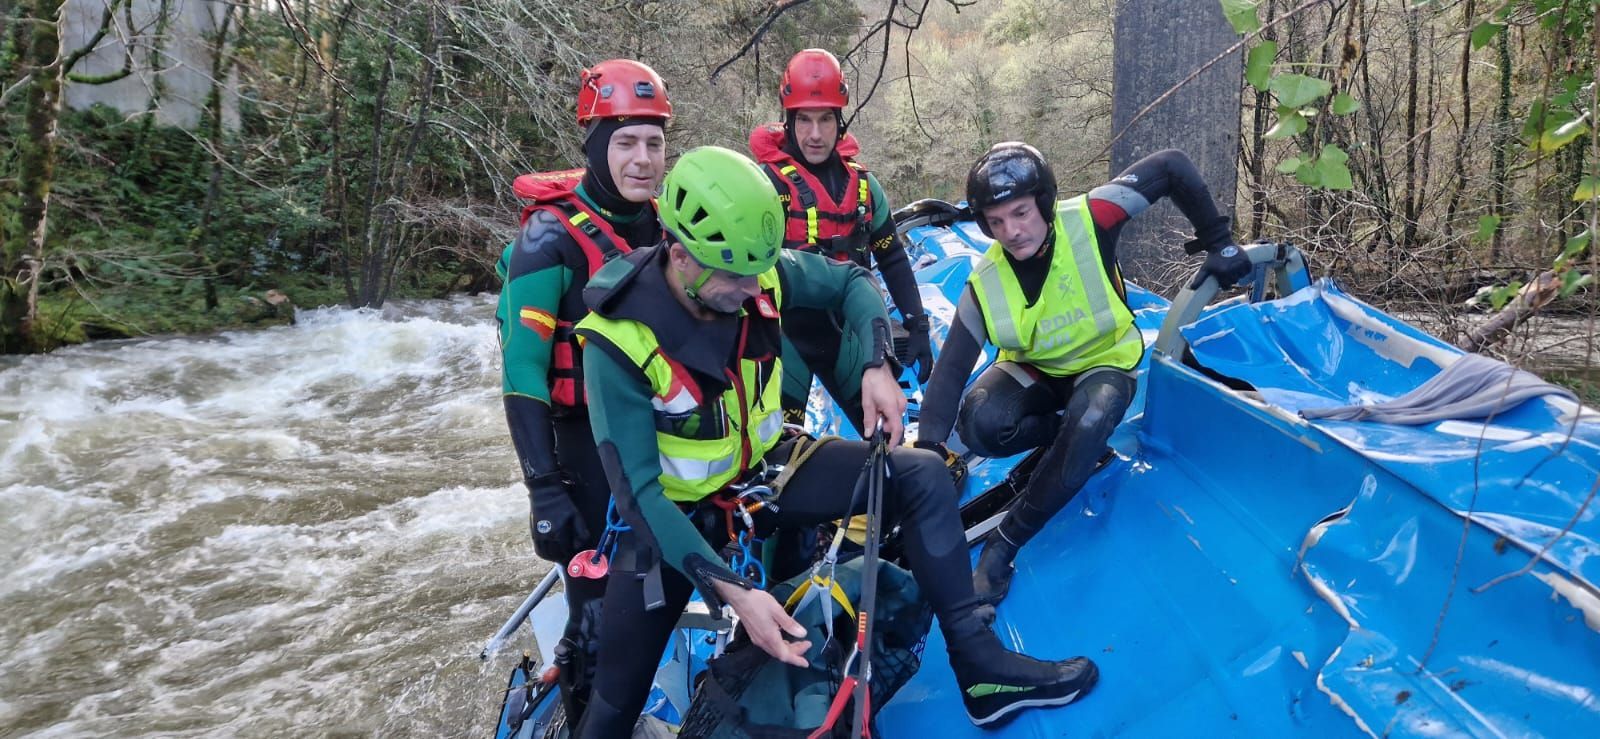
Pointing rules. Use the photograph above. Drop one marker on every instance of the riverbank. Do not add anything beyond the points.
(143, 310)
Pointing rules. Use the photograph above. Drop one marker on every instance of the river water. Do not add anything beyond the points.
(307, 530)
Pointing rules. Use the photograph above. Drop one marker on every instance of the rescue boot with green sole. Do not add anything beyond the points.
(997, 683)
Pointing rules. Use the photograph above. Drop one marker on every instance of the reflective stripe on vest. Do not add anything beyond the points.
(744, 421)
(817, 223)
(1078, 321)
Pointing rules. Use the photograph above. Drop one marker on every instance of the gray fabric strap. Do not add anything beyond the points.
(1474, 386)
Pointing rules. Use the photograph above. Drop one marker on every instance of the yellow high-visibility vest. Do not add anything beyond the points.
(703, 443)
(1079, 321)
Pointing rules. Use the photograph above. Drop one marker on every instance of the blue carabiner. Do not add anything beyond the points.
(746, 563)
(614, 526)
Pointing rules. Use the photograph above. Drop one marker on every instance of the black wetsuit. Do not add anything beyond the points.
(1013, 407)
(813, 334)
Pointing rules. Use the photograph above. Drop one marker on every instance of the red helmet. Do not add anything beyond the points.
(619, 88)
(813, 80)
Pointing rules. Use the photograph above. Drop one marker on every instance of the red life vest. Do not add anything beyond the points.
(556, 192)
(816, 222)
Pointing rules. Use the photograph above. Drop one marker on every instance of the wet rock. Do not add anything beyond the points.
(273, 307)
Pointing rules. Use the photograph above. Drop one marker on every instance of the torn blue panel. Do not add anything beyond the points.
(1242, 571)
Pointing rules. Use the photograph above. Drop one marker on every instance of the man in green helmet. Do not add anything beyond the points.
(682, 361)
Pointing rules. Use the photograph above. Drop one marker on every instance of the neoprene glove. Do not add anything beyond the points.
(955, 463)
(919, 346)
(1228, 263)
(558, 530)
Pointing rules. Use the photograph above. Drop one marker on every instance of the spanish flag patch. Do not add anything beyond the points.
(541, 322)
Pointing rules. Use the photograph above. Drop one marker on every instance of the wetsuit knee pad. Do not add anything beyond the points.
(1098, 404)
(989, 425)
(1009, 410)
(924, 501)
(920, 474)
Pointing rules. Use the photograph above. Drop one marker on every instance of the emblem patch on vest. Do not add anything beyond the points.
(765, 307)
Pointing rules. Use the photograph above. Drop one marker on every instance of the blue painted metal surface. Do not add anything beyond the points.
(1239, 571)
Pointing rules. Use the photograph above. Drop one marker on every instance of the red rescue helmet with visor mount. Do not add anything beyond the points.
(813, 80)
(621, 88)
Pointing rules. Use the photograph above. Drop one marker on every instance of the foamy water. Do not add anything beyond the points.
(306, 530)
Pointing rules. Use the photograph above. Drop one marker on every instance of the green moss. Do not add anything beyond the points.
(152, 309)
(1585, 383)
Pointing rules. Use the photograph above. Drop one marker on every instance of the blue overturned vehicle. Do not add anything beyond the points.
(1315, 520)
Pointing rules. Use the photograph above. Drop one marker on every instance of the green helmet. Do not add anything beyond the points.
(723, 209)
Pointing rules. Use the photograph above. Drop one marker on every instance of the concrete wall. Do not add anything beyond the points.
(1158, 44)
(184, 66)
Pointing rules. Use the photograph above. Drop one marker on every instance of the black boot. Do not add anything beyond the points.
(991, 579)
(997, 683)
(577, 654)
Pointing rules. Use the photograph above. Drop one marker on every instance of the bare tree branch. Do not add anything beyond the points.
(778, 9)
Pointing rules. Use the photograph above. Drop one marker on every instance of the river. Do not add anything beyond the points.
(306, 530)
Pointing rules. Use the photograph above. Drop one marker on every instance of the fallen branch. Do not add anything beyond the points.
(1532, 298)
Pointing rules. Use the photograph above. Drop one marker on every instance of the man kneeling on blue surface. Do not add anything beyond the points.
(1048, 294)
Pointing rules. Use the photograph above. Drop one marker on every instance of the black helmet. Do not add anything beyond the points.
(1010, 169)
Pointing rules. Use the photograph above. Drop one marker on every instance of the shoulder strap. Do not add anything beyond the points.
(863, 190)
(599, 241)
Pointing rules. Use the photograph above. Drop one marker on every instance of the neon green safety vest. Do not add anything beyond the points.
(1079, 321)
(703, 443)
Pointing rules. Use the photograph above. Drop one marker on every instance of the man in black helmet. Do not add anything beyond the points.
(1049, 296)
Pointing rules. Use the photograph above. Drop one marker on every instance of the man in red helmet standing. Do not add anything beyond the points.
(835, 207)
(567, 234)
(1049, 295)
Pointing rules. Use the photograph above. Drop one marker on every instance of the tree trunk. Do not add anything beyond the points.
(1469, 15)
(1503, 139)
(371, 263)
(1533, 297)
(1157, 44)
(221, 65)
(1410, 199)
(1260, 122)
(1377, 183)
(24, 260)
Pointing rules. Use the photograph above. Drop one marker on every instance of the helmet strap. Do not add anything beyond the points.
(691, 288)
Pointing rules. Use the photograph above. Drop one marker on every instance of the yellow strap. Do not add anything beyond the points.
(579, 218)
(826, 582)
(811, 225)
(798, 454)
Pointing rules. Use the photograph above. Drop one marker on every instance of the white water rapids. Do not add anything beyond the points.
(307, 530)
